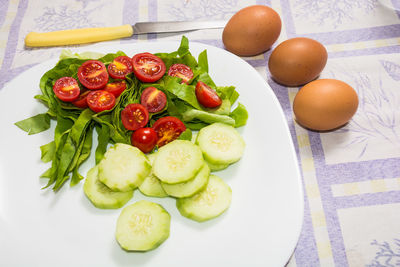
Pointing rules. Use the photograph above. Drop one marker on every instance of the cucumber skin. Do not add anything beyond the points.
(169, 189)
(114, 203)
(136, 181)
(216, 167)
(191, 215)
(164, 234)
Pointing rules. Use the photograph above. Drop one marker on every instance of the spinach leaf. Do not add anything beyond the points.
(103, 138)
(48, 151)
(35, 124)
(81, 156)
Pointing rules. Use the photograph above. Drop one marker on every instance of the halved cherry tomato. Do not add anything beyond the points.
(207, 96)
(66, 89)
(116, 88)
(100, 100)
(93, 74)
(134, 116)
(168, 129)
(81, 102)
(120, 67)
(145, 139)
(181, 71)
(148, 67)
(153, 99)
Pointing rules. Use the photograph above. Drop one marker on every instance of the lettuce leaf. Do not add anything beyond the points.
(240, 115)
(66, 53)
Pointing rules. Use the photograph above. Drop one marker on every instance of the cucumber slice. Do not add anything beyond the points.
(151, 185)
(190, 187)
(220, 143)
(142, 226)
(123, 167)
(208, 203)
(177, 162)
(216, 167)
(100, 195)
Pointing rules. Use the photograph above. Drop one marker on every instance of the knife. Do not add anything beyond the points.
(91, 35)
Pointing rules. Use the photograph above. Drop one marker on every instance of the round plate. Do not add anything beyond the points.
(260, 228)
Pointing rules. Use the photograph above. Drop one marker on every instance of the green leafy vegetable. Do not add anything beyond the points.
(66, 53)
(35, 124)
(240, 115)
(186, 135)
(48, 151)
(73, 134)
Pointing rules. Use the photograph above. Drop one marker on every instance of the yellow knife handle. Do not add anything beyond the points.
(77, 36)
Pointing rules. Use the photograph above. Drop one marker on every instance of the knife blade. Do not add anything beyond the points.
(91, 35)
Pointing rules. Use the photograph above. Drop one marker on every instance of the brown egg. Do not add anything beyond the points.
(325, 104)
(252, 30)
(297, 61)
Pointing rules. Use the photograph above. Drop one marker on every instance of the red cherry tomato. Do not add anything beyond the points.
(168, 129)
(145, 139)
(93, 74)
(207, 96)
(100, 100)
(116, 88)
(66, 89)
(148, 67)
(81, 102)
(153, 99)
(134, 116)
(181, 71)
(120, 67)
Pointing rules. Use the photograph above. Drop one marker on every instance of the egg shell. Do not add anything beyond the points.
(297, 61)
(325, 104)
(252, 30)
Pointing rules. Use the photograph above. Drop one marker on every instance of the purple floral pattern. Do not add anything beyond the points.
(203, 9)
(330, 12)
(62, 18)
(387, 255)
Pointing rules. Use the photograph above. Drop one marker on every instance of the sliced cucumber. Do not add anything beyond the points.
(123, 167)
(221, 144)
(142, 226)
(177, 162)
(208, 203)
(190, 187)
(216, 167)
(100, 195)
(151, 185)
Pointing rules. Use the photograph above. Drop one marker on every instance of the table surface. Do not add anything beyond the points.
(351, 176)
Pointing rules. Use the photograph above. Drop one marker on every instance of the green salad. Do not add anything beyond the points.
(75, 124)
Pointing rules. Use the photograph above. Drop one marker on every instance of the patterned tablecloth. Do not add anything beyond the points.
(351, 176)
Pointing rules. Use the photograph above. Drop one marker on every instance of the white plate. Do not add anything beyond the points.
(261, 228)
